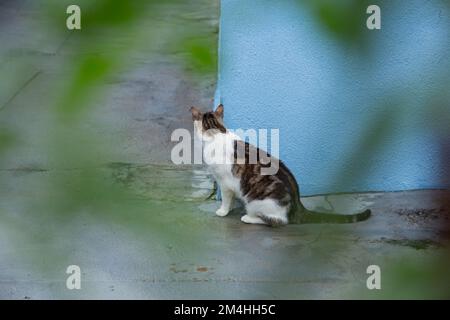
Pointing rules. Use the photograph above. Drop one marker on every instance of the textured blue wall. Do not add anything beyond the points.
(280, 69)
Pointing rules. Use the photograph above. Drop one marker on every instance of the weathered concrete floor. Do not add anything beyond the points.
(162, 240)
(169, 244)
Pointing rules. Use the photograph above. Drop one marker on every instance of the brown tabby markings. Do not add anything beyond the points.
(210, 121)
(281, 186)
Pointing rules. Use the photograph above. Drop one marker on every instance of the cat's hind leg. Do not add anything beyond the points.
(252, 219)
(268, 211)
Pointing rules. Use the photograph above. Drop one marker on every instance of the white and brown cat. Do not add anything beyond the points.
(269, 199)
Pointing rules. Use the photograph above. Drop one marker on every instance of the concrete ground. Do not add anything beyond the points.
(174, 246)
(160, 238)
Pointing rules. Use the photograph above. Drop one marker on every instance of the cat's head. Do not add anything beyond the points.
(208, 123)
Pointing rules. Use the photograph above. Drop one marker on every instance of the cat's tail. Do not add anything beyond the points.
(304, 215)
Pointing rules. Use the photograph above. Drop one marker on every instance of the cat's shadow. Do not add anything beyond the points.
(237, 211)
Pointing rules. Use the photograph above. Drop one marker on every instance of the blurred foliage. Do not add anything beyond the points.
(202, 55)
(80, 63)
(345, 20)
(340, 20)
(6, 140)
(185, 31)
(91, 71)
(405, 277)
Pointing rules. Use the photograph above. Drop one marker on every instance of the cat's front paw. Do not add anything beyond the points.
(221, 212)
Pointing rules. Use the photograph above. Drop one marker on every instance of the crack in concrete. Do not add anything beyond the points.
(24, 85)
(329, 203)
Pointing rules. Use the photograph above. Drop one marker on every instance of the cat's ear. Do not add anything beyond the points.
(196, 114)
(219, 111)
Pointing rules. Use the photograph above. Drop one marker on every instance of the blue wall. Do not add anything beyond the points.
(280, 69)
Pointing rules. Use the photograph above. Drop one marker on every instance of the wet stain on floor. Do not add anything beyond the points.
(418, 244)
(202, 269)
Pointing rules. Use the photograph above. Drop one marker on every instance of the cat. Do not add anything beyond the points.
(273, 199)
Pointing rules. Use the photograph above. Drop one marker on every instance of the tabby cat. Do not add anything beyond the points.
(269, 199)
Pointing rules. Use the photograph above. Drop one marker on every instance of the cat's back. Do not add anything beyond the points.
(251, 165)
